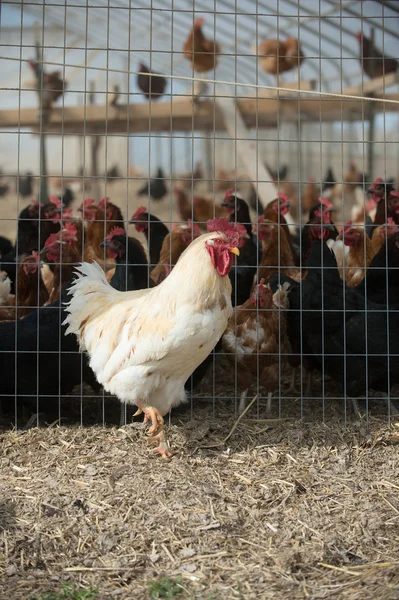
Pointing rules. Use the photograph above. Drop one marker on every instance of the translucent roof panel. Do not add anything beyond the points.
(118, 34)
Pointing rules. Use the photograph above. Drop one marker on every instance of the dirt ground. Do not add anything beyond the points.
(279, 511)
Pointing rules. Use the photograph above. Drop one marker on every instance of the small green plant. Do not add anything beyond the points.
(70, 592)
(166, 588)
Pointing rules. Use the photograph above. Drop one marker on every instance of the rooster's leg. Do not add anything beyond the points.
(269, 404)
(155, 416)
(241, 406)
(163, 448)
(292, 389)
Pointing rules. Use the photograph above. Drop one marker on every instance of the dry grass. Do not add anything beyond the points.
(283, 510)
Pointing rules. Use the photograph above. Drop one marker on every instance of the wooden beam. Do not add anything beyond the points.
(376, 85)
(183, 115)
(306, 85)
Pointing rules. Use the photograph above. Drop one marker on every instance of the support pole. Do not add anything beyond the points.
(43, 121)
(95, 146)
(371, 120)
(247, 150)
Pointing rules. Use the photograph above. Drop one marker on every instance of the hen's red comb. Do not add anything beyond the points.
(348, 226)
(230, 192)
(194, 228)
(88, 202)
(71, 228)
(56, 201)
(282, 196)
(394, 194)
(103, 203)
(390, 221)
(139, 211)
(326, 203)
(33, 259)
(115, 231)
(51, 240)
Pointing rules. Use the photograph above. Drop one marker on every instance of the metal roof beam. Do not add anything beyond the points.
(372, 22)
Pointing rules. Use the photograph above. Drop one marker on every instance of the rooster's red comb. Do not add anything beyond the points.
(139, 211)
(221, 224)
(115, 231)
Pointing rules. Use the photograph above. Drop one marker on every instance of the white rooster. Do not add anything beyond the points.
(143, 345)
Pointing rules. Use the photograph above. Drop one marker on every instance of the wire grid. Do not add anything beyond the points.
(97, 46)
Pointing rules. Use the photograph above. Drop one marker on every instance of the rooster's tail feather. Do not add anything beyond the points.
(90, 286)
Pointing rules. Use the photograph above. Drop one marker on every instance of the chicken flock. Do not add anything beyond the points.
(146, 319)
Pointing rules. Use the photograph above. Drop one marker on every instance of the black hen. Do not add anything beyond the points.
(39, 360)
(242, 274)
(25, 185)
(154, 230)
(373, 62)
(329, 180)
(344, 335)
(156, 187)
(6, 246)
(131, 272)
(152, 85)
(319, 226)
(381, 281)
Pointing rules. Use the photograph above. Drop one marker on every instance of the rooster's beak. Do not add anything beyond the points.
(235, 251)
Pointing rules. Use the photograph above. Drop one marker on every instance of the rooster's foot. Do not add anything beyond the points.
(163, 448)
(152, 414)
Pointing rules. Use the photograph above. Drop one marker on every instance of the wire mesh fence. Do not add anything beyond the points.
(127, 127)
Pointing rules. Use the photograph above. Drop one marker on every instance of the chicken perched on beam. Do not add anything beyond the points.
(202, 53)
(53, 85)
(277, 57)
(143, 345)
